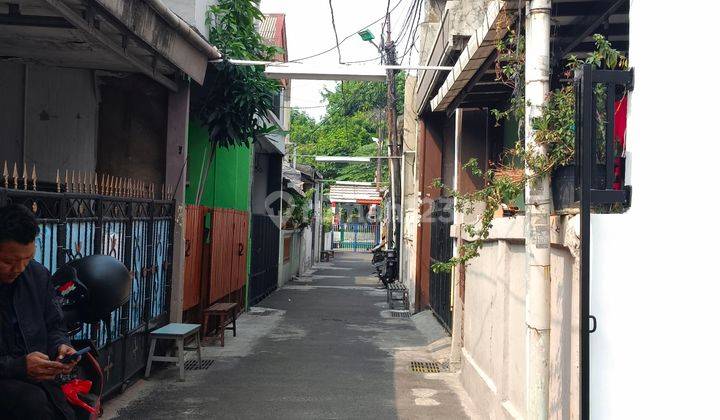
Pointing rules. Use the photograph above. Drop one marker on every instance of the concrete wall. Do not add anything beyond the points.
(654, 287)
(133, 128)
(83, 121)
(306, 249)
(193, 12)
(410, 204)
(493, 341)
(12, 116)
(49, 118)
(291, 266)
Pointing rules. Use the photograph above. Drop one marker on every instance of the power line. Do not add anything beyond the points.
(337, 40)
(346, 38)
(387, 14)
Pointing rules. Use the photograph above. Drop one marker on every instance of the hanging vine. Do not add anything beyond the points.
(554, 131)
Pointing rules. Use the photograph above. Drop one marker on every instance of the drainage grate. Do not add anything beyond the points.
(260, 313)
(400, 314)
(425, 367)
(193, 364)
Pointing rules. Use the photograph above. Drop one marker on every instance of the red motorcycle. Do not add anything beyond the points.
(89, 289)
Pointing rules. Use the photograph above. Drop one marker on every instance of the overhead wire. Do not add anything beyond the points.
(409, 21)
(337, 40)
(346, 38)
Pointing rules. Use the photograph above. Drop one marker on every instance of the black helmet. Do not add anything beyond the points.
(92, 287)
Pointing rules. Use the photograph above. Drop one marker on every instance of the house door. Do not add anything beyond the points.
(441, 251)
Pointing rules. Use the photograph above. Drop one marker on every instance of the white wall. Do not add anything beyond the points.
(291, 266)
(410, 192)
(492, 366)
(194, 12)
(655, 286)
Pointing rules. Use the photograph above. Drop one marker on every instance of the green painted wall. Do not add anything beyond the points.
(228, 180)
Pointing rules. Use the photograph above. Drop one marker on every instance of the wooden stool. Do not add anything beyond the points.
(222, 311)
(177, 333)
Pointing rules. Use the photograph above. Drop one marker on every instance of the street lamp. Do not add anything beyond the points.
(368, 36)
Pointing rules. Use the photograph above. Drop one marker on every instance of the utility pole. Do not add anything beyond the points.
(389, 49)
(537, 215)
(378, 164)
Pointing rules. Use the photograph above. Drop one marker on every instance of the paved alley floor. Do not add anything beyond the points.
(322, 347)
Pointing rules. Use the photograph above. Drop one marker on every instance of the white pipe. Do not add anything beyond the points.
(349, 66)
(456, 303)
(537, 217)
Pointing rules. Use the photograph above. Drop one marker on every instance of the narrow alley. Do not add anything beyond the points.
(323, 347)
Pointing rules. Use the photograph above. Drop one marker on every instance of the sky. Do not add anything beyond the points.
(309, 31)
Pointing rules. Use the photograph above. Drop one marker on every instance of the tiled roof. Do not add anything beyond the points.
(272, 31)
(355, 192)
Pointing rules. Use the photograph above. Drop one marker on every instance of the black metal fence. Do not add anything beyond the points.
(597, 93)
(441, 251)
(265, 246)
(136, 231)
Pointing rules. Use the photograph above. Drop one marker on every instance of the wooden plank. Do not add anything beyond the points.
(193, 255)
(229, 248)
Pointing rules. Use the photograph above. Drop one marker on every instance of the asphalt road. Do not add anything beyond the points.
(322, 348)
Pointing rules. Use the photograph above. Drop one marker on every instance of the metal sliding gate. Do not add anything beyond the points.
(136, 231)
(441, 251)
(265, 246)
(355, 236)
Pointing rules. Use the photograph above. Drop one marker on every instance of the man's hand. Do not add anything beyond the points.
(63, 352)
(41, 368)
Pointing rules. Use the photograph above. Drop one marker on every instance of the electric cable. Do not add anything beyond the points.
(346, 38)
(337, 40)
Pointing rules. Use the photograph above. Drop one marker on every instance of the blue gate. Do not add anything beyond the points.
(355, 236)
(136, 231)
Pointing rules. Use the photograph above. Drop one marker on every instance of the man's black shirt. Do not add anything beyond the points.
(12, 341)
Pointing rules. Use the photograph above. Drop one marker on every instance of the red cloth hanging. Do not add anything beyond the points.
(619, 136)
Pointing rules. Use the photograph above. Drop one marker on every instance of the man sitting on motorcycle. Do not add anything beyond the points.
(33, 340)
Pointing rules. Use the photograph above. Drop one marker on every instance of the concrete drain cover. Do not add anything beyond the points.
(400, 314)
(425, 367)
(194, 365)
(260, 313)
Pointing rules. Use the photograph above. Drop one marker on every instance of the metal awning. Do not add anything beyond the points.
(140, 36)
(479, 53)
(292, 178)
(271, 143)
(472, 82)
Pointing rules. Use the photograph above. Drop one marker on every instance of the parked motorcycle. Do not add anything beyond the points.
(90, 289)
(385, 263)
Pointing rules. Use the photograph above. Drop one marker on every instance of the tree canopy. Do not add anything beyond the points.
(355, 114)
(236, 97)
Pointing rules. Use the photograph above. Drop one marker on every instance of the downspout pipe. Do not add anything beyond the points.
(182, 27)
(537, 219)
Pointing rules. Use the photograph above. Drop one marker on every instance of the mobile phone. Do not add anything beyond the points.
(75, 356)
